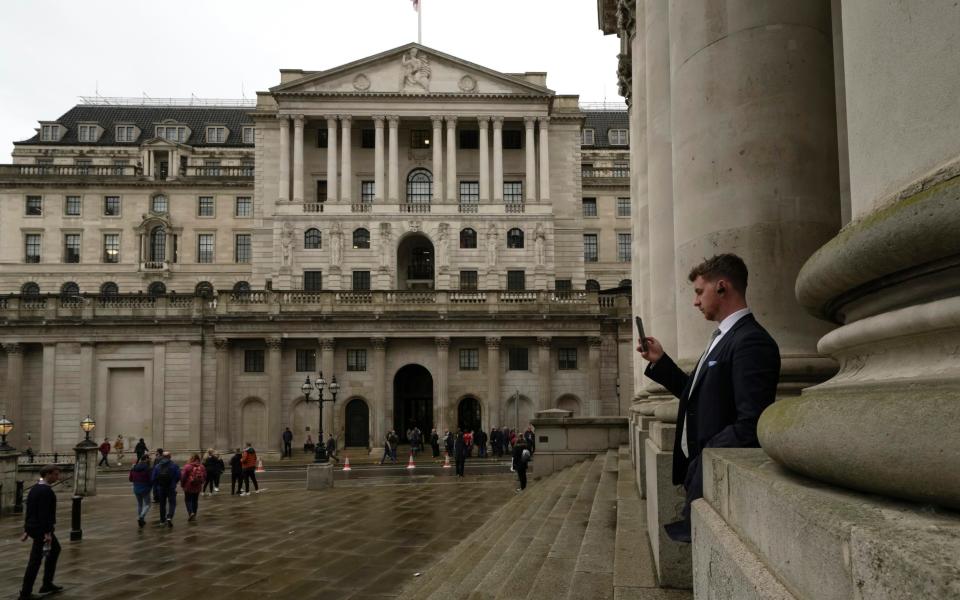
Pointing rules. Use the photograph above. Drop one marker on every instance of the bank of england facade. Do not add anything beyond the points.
(440, 237)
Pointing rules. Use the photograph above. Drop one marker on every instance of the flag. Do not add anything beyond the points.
(416, 5)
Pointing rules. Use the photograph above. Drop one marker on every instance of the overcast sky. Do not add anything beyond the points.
(52, 51)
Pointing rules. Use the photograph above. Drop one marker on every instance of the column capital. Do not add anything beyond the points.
(331, 120)
(345, 120)
(529, 121)
(274, 343)
(284, 120)
(493, 343)
(13, 348)
(484, 121)
(394, 120)
(594, 340)
(442, 342)
(544, 340)
(298, 120)
(378, 121)
(544, 122)
(451, 121)
(327, 343)
(221, 343)
(91, 343)
(497, 121)
(379, 343)
(437, 121)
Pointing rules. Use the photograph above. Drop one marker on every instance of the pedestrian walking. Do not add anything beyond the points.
(191, 480)
(287, 443)
(448, 442)
(249, 463)
(118, 448)
(468, 440)
(140, 478)
(387, 450)
(236, 472)
(38, 525)
(104, 453)
(394, 443)
(460, 451)
(165, 476)
(214, 467)
(140, 449)
(521, 459)
(481, 441)
(332, 448)
(435, 443)
(156, 459)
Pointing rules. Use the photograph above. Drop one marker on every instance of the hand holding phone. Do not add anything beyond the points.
(642, 335)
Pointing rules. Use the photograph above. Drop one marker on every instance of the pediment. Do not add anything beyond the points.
(411, 69)
(159, 143)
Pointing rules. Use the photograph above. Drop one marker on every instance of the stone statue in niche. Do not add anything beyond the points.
(443, 234)
(492, 245)
(336, 244)
(415, 70)
(286, 243)
(539, 243)
(386, 246)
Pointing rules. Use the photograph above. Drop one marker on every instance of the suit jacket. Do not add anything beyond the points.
(738, 380)
(41, 514)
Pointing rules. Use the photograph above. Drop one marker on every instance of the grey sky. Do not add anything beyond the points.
(52, 51)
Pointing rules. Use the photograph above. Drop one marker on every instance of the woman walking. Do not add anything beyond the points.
(249, 464)
(191, 480)
(214, 467)
(140, 477)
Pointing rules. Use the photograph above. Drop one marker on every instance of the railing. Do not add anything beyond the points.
(47, 458)
(70, 170)
(404, 297)
(219, 171)
(469, 207)
(361, 207)
(313, 207)
(513, 207)
(415, 207)
(611, 176)
(154, 265)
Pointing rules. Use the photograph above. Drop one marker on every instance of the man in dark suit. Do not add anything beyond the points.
(39, 524)
(733, 382)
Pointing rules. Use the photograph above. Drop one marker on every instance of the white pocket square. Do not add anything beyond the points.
(711, 363)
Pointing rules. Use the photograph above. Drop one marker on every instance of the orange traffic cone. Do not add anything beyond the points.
(410, 464)
(260, 468)
(346, 464)
(446, 461)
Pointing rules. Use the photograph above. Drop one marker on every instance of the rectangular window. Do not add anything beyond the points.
(361, 280)
(617, 137)
(242, 248)
(253, 361)
(71, 248)
(205, 206)
(623, 247)
(469, 359)
(322, 137)
(172, 133)
(587, 137)
(567, 358)
(32, 247)
(125, 133)
(468, 280)
(590, 251)
(513, 192)
(321, 190)
(623, 207)
(420, 138)
(111, 206)
(306, 360)
(244, 206)
(248, 135)
(216, 135)
(205, 248)
(516, 281)
(367, 190)
(469, 139)
(357, 360)
(469, 192)
(71, 206)
(368, 138)
(563, 285)
(119, 166)
(517, 359)
(111, 247)
(87, 133)
(589, 207)
(34, 206)
(312, 281)
(49, 133)
(512, 139)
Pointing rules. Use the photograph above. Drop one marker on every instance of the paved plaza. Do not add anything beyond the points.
(362, 539)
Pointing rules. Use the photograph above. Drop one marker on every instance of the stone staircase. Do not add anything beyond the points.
(579, 534)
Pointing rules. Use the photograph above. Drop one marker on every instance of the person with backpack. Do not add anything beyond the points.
(104, 453)
(249, 463)
(140, 477)
(192, 479)
(236, 473)
(521, 460)
(165, 476)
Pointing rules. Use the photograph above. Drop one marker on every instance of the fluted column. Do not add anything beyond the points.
(379, 193)
(394, 166)
(494, 403)
(440, 403)
(332, 158)
(298, 158)
(484, 159)
(158, 395)
(275, 391)
(379, 409)
(593, 368)
(544, 159)
(498, 160)
(346, 168)
(530, 151)
(15, 393)
(222, 405)
(327, 367)
(437, 141)
(545, 398)
(48, 396)
(284, 192)
(452, 159)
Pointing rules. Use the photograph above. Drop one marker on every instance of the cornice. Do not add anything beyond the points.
(431, 96)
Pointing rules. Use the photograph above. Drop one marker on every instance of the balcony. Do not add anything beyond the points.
(615, 176)
(236, 173)
(78, 171)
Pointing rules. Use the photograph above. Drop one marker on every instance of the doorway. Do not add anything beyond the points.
(357, 419)
(469, 414)
(412, 400)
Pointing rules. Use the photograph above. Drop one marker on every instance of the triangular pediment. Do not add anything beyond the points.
(159, 143)
(411, 69)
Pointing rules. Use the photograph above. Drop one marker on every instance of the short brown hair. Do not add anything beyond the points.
(723, 266)
(47, 469)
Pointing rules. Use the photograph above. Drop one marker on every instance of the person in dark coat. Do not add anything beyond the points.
(460, 450)
(213, 466)
(521, 460)
(38, 525)
(435, 443)
(140, 478)
(448, 442)
(332, 449)
(480, 439)
(287, 443)
(236, 472)
(165, 477)
(140, 449)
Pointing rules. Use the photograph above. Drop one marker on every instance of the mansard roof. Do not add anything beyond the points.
(601, 121)
(145, 118)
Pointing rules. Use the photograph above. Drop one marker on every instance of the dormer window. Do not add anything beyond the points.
(88, 133)
(172, 133)
(126, 133)
(50, 133)
(248, 135)
(587, 137)
(617, 137)
(216, 135)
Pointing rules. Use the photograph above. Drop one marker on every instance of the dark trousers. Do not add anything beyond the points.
(287, 449)
(522, 476)
(436, 450)
(236, 483)
(248, 475)
(33, 565)
(693, 484)
(461, 462)
(208, 484)
(192, 502)
(103, 460)
(168, 503)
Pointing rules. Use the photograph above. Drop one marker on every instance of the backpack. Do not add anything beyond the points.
(525, 456)
(164, 477)
(196, 477)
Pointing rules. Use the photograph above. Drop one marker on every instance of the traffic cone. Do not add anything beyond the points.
(346, 464)
(446, 461)
(410, 464)
(260, 468)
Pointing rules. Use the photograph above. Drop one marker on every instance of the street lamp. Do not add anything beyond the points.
(320, 451)
(88, 425)
(6, 426)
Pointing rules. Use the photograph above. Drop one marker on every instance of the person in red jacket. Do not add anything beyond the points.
(192, 479)
(104, 453)
(249, 464)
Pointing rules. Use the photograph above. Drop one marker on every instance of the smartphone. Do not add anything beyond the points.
(643, 336)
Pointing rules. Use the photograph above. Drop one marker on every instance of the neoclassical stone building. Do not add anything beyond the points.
(433, 233)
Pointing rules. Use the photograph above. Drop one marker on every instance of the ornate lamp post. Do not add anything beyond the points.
(88, 425)
(6, 426)
(320, 450)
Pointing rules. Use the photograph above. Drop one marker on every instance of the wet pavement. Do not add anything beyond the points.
(362, 539)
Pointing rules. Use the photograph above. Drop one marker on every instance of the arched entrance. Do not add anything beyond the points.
(305, 419)
(254, 423)
(415, 262)
(412, 400)
(569, 402)
(469, 414)
(518, 413)
(357, 423)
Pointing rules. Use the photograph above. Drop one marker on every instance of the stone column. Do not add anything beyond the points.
(394, 167)
(484, 159)
(298, 158)
(159, 395)
(88, 351)
(545, 374)
(452, 187)
(8, 474)
(275, 391)
(331, 158)
(544, 159)
(284, 183)
(327, 367)
(530, 152)
(437, 140)
(196, 395)
(222, 407)
(593, 368)
(494, 403)
(48, 396)
(441, 401)
(498, 160)
(346, 168)
(378, 411)
(15, 393)
(379, 193)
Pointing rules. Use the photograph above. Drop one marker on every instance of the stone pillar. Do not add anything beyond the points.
(379, 193)
(88, 361)
(331, 158)
(298, 158)
(196, 395)
(593, 368)
(223, 394)
(530, 152)
(86, 458)
(275, 392)
(494, 402)
(498, 160)
(437, 140)
(48, 396)
(545, 372)
(346, 167)
(394, 167)
(327, 367)
(452, 184)
(284, 191)
(378, 412)
(544, 159)
(159, 395)
(8, 475)
(15, 393)
(441, 401)
(484, 159)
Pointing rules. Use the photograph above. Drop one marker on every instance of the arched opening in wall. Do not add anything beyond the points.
(158, 244)
(412, 400)
(569, 402)
(419, 190)
(415, 263)
(253, 423)
(469, 414)
(204, 289)
(305, 417)
(357, 424)
(518, 412)
(157, 289)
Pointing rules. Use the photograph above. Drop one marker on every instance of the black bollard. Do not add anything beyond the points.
(76, 533)
(18, 498)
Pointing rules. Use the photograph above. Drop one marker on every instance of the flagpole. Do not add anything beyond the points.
(419, 22)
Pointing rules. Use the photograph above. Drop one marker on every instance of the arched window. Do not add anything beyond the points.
(312, 239)
(70, 289)
(419, 187)
(361, 238)
(241, 287)
(626, 283)
(30, 289)
(158, 244)
(204, 289)
(468, 238)
(159, 205)
(593, 285)
(109, 288)
(515, 238)
(157, 288)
